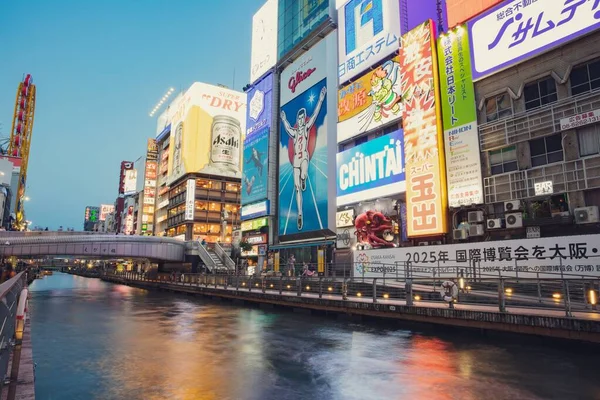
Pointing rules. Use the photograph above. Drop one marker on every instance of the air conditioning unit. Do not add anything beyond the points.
(514, 220)
(460, 234)
(476, 230)
(475, 216)
(423, 243)
(512, 205)
(495, 223)
(586, 215)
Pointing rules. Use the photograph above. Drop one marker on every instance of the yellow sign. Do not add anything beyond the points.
(276, 262)
(321, 261)
(426, 192)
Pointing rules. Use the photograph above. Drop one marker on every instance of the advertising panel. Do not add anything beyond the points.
(207, 132)
(255, 210)
(254, 225)
(517, 30)
(256, 166)
(345, 237)
(190, 197)
(260, 106)
(264, 40)
(423, 134)
(92, 214)
(371, 101)
(303, 144)
(106, 209)
(575, 121)
(460, 11)
(296, 20)
(163, 123)
(125, 166)
(523, 258)
(130, 182)
(151, 150)
(150, 177)
(344, 218)
(371, 170)
(463, 162)
(368, 31)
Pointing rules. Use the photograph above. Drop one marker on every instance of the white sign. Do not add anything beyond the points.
(304, 73)
(130, 183)
(574, 255)
(106, 209)
(533, 232)
(344, 218)
(190, 197)
(264, 40)
(257, 104)
(368, 32)
(518, 29)
(578, 120)
(255, 210)
(543, 188)
(256, 239)
(463, 165)
(346, 238)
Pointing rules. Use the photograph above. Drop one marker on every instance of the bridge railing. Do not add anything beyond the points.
(549, 296)
(9, 296)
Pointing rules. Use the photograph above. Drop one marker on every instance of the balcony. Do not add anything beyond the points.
(570, 176)
(534, 123)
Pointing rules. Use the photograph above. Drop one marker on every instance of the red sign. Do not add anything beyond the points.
(298, 78)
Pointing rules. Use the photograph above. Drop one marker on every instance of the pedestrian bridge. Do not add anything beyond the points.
(93, 245)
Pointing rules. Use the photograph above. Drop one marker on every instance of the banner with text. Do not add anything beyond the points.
(463, 163)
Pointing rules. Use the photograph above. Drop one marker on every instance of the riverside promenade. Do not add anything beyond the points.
(340, 298)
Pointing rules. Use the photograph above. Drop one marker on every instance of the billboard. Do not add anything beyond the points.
(423, 134)
(368, 31)
(373, 100)
(460, 11)
(207, 132)
(125, 166)
(256, 167)
(260, 106)
(264, 40)
(463, 162)
(296, 20)
(92, 214)
(163, 122)
(499, 40)
(303, 155)
(255, 210)
(130, 182)
(371, 170)
(106, 209)
(523, 258)
(150, 177)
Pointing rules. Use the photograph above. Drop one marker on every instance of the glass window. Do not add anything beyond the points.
(540, 93)
(498, 107)
(201, 206)
(585, 78)
(297, 18)
(503, 160)
(233, 187)
(361, 140)
(546, 150)
(214, 207)
(589, 140)
(204, 183)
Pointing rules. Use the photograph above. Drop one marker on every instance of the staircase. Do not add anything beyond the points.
(218, 264)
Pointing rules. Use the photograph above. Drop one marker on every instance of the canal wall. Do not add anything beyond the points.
(541, 325)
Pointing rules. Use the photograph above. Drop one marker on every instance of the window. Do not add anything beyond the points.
(540, 93)
(361, 140)
(546, 150)
(589, 140)
(503, 160)
(498, 107)
(585, 78)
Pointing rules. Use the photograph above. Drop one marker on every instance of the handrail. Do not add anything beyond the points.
(205, 256)
(87, 238)
(225, 259)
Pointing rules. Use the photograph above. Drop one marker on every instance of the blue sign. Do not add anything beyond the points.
(371, 170)
(371, 16)
(260, 103)
(256, 167)
(303, 162)
(255, 210)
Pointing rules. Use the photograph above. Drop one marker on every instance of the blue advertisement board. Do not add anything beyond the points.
(260, 103)
(371, 170)
(302, 161)
(256, 164)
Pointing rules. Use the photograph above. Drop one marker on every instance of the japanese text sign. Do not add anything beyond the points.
(463, 164)
(260, 103)
(373, 100)
(190, 197)
(575, 121)
(516, 30)
(423, 141)
(524, 258)
(368, 32)
(264, 40)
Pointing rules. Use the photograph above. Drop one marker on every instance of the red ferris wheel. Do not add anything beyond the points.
(20, 140)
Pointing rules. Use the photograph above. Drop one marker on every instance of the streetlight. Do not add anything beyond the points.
(26, 198)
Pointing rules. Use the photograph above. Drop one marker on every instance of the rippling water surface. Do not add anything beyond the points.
(95, 340)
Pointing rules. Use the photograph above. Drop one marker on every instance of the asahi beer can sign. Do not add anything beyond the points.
(225, 148)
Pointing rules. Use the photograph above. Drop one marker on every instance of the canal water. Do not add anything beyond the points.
(96, 340)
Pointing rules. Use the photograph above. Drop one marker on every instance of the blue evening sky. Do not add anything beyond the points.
(99, 68)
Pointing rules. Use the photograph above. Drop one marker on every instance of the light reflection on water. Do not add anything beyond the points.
(94, 340)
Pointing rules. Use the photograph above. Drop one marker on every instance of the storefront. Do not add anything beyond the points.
(255, 232)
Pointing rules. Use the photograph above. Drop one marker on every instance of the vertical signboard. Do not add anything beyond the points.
(368, 31)
(256, 146)
(463, 162)
(190, 197)
(150, 177)
(264, 40)
(207, 132)
(303, 156)
(125, 166)
(423, 134)
(106, 209)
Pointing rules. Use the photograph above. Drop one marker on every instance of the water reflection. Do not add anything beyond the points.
(94, 340)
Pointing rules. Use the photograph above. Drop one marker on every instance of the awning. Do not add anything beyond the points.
(292, 245)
